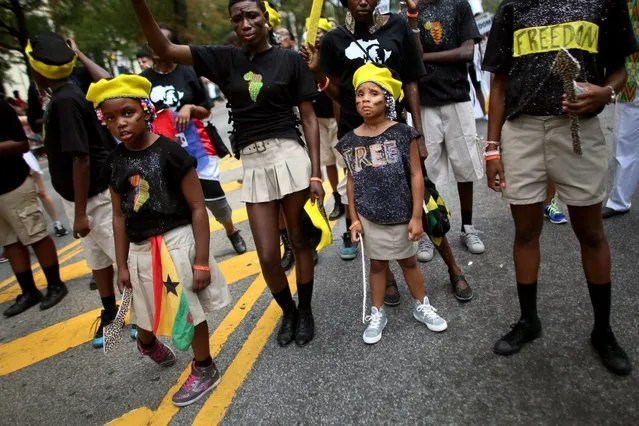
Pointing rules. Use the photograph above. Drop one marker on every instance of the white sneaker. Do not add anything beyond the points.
(470, 238)
(425, 249)
(376, 322)
(426, 314)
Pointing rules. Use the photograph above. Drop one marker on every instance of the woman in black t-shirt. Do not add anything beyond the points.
(263, 84)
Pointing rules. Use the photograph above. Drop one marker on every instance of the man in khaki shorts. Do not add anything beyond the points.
(22, 223)
(77, 146)
(448, 34)
(530, 142)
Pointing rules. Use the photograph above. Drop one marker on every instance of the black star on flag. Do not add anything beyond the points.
(171, 286)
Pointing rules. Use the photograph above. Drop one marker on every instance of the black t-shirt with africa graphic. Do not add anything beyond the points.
(149, 185)
(262, 90)
(393, 45)
(526, 36)
(380, 167)
(445, 25)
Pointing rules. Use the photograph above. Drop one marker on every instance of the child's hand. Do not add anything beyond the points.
(201, 279)
(415, 229)
(124, 279)
(356, 229)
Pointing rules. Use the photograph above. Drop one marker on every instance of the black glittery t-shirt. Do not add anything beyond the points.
(527, 34)
(149, 185)
(380, 167)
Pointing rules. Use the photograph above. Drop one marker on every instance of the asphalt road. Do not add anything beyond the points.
(49, 374)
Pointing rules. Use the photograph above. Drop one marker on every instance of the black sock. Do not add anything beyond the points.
(285, 299)
(305, 293)
(600, 299)
(337, 197)
(204, 363)
(528, 301)
(348, 225)
(467, 218)
(52, 273)
(25, 279)
(109, 305)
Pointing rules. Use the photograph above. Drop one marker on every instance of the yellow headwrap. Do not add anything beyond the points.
(273, 16)
(323, 24)
(122, 86)
(380, 76)
(52, 72)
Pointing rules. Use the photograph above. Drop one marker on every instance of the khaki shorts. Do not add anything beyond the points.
(536, 149)
(181, 246)
(329, 156)
(273, 169)
(21, 217)
(99, 247)
(451, 140)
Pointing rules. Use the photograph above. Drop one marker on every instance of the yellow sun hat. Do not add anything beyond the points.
(50, 56)
(122, 86)
(380, 76)
(323, 24)
(273, 16)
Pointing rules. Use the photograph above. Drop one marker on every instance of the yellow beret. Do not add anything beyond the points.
(323, 24)
(380, 76)
(273, 16)
(51, 71)
(122, 86)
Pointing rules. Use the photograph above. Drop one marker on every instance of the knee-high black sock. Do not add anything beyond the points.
(348, 225)
(337, 197)
(285, 299)
(52, 273)
(109, 305)
(305, 292)
(528, 301)
(600, 299)
(467, 218)
(25, 279)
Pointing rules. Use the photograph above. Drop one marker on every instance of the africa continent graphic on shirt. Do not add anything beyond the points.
(141, 192)
(373, 51)
(255, 84)
(436, 31)
(168, 95)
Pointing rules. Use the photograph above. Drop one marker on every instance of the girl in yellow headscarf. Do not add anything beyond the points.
(386, 194)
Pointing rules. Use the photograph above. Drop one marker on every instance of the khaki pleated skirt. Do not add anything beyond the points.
(387, 242)
(273, 169)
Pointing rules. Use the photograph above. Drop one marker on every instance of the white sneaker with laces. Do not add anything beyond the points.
(425, 249)
(470, 238)
(426, 314)
(376, 322)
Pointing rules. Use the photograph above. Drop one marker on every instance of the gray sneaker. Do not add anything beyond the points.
(425, 249)
(376, 322)
(470, 238)
(200, 382)
(426, 314)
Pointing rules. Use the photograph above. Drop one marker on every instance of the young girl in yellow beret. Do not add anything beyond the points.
(386, 194)
(161, 230)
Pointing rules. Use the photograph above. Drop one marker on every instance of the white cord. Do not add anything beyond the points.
(361, 243)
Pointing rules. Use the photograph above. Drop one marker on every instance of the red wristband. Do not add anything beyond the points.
(201, 268)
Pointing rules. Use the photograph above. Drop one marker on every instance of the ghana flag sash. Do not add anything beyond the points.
(171, 316)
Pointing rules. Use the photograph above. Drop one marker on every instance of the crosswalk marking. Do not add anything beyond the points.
(50, 341)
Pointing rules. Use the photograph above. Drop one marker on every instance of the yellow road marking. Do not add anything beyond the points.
(37, 346)
(229, 164)
(214, 409)
(36, 266)
(138, 417)
(231, 186)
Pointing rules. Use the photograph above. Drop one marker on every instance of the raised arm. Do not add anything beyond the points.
(96, 72)
(161, 45)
